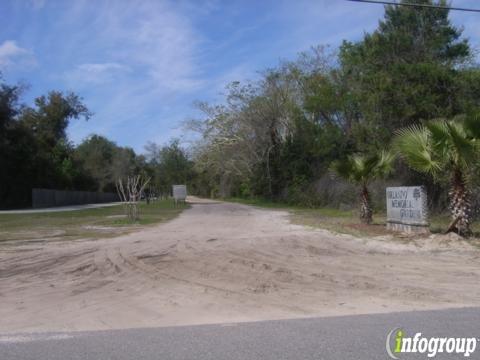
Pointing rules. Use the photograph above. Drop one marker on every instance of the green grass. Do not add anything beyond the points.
(345, 221)
(262, 203)
(88, 223)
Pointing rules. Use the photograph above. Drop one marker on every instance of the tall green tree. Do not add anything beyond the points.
(17, 151)
(169, 165)
(95, 154)
(52, 114)
(47, 122)
(407, 70)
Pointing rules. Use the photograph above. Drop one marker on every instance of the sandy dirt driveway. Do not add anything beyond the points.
(222, 262)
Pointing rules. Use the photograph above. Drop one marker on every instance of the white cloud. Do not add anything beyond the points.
(165, 42)
(144, 54)
(102, 67)
(12, 55)
(152, 37)
(97, 73)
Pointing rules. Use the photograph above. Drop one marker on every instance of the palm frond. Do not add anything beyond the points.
(363, 166)
(463, 148)
(415, 146)
(385, 162)
(342, 168)
(472, 125)
(439, 134)
(361, 169)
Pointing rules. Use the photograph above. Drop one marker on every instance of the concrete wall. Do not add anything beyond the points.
(47, 198)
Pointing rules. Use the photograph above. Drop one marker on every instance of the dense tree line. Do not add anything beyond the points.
(168, 165)
(34, 148)
(277, 137)
(35, 151)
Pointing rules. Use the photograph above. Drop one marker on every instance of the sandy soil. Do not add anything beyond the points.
(222, 262)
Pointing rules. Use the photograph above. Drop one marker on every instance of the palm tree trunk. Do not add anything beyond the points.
(460, 205)
(366, 207)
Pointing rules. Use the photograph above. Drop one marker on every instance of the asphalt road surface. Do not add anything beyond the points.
(339, 338)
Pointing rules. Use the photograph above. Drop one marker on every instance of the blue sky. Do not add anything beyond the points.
(140, 65)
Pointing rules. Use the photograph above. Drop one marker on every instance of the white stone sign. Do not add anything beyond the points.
(179, 192)
(407, 209)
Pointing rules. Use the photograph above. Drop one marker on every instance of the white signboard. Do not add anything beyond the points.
(179, 192)
(407, 205)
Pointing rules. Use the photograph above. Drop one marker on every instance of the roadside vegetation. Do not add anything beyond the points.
(448, 148)
(361, 171)
(278, 138)
(81, 224)
(346, 221)
(349, 109)
(35, 152)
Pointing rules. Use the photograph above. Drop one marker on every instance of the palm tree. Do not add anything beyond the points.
(361, 170)
(446, 148)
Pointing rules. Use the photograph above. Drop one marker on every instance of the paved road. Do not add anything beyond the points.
(59, 208)
(336, 338)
